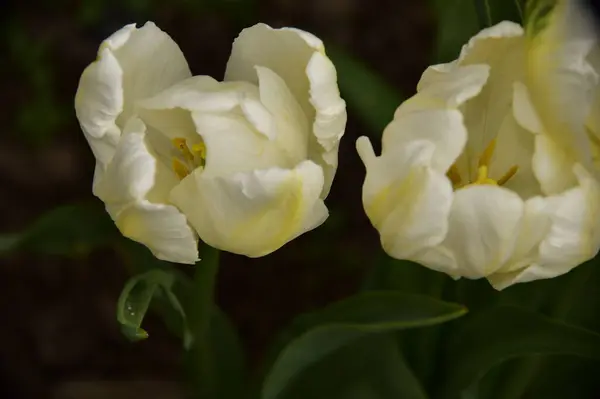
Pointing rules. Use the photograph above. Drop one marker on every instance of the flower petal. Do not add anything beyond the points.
(444, 128)
(290, 121)
(162, 228)
(132, 63)
(407, 201)
(234, 146)
(151, 61)
(98, 103)
(253, 213)
(484, 223)
(561, 80)
(552, 166)
(133, 178)
(299, 58)
(572, 234)
(515, 147)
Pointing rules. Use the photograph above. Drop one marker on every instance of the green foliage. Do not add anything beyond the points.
(314, 337)
(367, 94)
(489, 338)
(70, 230)
(40, 116)
(459, 20)
(135, 300)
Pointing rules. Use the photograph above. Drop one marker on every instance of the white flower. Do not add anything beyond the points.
(475, 181)
(244, 164)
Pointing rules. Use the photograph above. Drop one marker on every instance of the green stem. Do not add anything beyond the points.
(201, 306)
(526, 369)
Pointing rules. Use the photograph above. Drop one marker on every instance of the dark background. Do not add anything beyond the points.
(58, 333)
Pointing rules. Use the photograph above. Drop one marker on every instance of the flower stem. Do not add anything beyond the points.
(200, 360)
(526, 369)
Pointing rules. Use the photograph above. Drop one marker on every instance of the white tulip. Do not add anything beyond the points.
(474, 180)
(243, 164)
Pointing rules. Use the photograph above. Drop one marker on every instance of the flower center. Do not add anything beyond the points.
(185, 159)
(482, 171)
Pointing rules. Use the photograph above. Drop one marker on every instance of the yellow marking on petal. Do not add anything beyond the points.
(181, 170)
(483, 171)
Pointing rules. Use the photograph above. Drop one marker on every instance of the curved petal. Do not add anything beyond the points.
(444, 128)
(134, 172)
(151, 61)
(133, 178)
(234, 146)
(484, 223)
(98, 103)
(162, 228)
(560, 78)
(446, 87)
(132, 63)
(253, 213)
(290, 122)
(515, 146)
(299, 58)
(406, 201)
(552, 166)
(572, 233)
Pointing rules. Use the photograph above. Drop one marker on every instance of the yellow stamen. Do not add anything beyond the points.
(486, 157)
(180, 169)
(508, 175)
(482, 171)
(200, 150)
(181, 145)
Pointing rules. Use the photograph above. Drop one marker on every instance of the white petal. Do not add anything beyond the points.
(132, 63)
(444, 128)
(98, 103)
(151, 61)
(406, 201)
(162, 228)
(290, 121)
(485, 44)
(253, 213)
(134, 172)
(524, 111)
(169, 111)
(552, 166)
(299, 59)
(446, 87)
(560, 79)
(573, 234)
(234, 146)
(484, 224)
(130, 175)
(515, 147)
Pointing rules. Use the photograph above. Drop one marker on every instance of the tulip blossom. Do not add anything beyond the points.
(489, 171)
(243, 165)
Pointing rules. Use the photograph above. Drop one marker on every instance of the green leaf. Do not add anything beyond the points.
(135, 300)
(228, 357)
(370, 97)
(68, 230)
(459, 20)
(315, 336)
(489, 338)
(369, 368)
